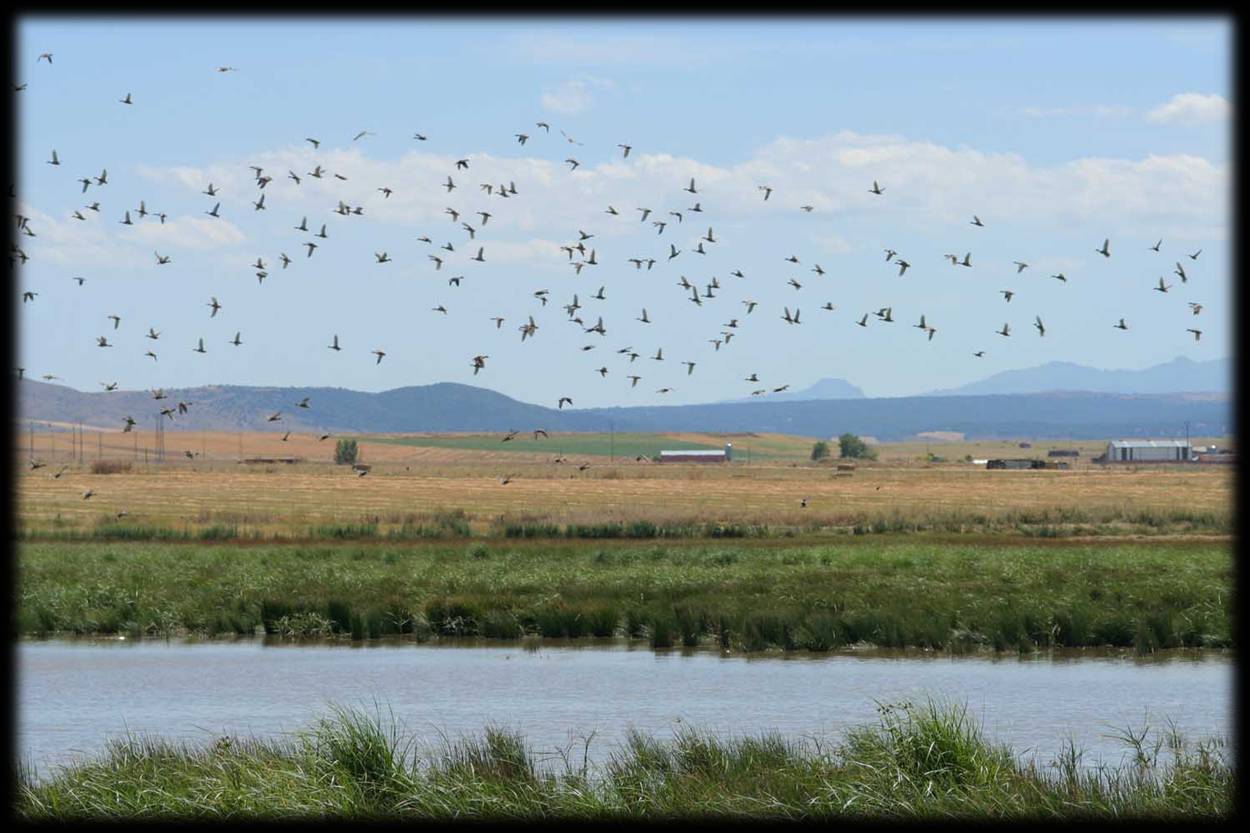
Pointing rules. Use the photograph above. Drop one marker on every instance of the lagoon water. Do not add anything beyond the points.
(74, 695)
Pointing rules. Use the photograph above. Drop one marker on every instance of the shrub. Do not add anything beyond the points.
(852, 446)
(345, 452)
(110, 466)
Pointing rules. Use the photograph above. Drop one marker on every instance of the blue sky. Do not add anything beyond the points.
(1057, 133)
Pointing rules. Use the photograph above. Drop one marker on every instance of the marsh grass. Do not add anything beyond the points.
(741, 596)
(918, 762)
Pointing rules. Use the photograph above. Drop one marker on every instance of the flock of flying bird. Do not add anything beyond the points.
(579, 256)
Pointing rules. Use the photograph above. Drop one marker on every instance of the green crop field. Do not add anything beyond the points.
(623, 445)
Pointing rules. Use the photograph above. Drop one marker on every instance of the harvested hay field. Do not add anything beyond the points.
(287, 499)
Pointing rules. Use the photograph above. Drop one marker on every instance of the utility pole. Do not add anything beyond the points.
(31, 424)
(611, 441)
(1188, 453)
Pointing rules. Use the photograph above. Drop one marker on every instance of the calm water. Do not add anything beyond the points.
(75, 695)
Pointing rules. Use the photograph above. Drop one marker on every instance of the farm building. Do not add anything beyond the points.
(697, 455)
(1148, 451)
(1063, 452)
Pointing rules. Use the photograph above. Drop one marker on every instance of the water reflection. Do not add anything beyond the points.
(73, 695)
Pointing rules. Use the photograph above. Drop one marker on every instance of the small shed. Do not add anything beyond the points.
(1063, 452)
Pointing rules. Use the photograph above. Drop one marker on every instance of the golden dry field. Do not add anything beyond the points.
(411, 483)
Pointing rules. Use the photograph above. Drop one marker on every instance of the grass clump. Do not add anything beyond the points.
(918, 762)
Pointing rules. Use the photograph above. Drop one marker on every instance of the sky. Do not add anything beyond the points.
(1057, 133)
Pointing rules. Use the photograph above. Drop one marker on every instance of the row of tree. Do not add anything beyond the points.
(849, 446)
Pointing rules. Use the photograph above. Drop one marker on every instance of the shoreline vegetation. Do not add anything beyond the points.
(930, 761)
(737, 595)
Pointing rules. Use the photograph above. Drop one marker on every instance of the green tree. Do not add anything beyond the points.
(820, 450)
(345, 452)
(853, 447)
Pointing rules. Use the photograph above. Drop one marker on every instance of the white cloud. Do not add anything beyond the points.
(576, 95)
(1191, 108)
(832, 243)
(1179, 195)
(534, 250)
(188, 232)
(77, 244)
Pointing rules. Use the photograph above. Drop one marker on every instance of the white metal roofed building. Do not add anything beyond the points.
(1149, 451)
(698, 455)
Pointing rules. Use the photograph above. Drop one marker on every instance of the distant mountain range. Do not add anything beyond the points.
(1181, 375)
(824, 389)
(1177, 376)
(455, 407)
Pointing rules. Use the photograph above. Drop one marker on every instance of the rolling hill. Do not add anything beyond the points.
(455, 407)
